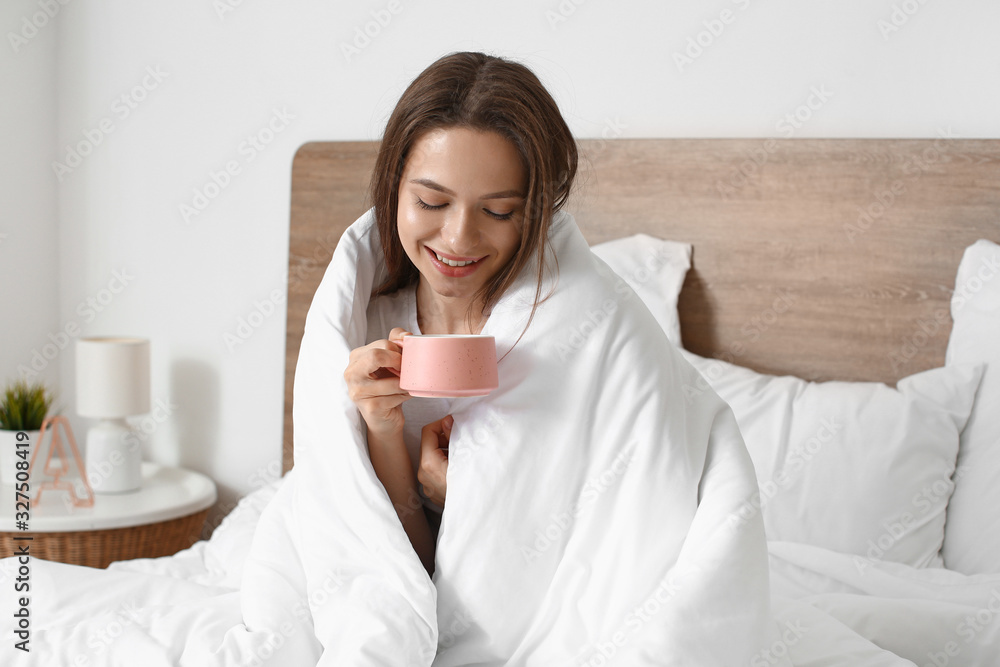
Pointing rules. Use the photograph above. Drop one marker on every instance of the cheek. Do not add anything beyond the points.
(404, 219)
(410, 226)
(510, 241)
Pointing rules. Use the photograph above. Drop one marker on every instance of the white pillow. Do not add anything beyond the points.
(655, 269)
(972, 534)
(856, 467)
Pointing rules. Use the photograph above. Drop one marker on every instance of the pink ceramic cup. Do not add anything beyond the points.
(448, 365)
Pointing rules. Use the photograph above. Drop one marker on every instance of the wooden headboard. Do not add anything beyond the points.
(827, 259)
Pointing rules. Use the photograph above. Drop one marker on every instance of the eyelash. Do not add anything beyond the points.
(497, 216)
(422, 204)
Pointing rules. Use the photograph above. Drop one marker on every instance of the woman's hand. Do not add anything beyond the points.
(372, 377)
(433, 471)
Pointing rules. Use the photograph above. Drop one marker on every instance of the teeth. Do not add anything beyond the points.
(453, 263)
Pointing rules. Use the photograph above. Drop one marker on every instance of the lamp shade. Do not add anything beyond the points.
(112, 377)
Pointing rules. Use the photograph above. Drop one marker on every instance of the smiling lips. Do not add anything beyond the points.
(451, 266)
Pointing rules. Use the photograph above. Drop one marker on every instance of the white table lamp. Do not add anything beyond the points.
(112, 382)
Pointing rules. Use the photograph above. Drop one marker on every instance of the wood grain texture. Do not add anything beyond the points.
(329, 192)
(826, 258)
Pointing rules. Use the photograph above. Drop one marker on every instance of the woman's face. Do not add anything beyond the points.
(461, 207)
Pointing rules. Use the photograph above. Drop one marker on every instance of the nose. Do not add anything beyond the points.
(460, 231)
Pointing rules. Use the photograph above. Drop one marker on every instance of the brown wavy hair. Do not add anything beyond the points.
(486, 93)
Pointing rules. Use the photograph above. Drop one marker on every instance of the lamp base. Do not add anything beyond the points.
(114, 459)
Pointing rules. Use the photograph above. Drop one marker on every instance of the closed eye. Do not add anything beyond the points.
(499, 216)
(422, 204)
(431, 207)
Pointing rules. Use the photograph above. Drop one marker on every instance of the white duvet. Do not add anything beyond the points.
(593, 518)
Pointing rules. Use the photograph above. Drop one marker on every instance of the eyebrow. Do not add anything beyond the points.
(504, 194)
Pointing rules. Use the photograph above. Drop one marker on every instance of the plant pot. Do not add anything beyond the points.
(8, 454)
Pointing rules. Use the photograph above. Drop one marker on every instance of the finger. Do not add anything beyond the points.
(382, 344)
(372, 360)
(369, 388)
(363, 359)
(433, 494)
(381, 405)
(434, 467)
(444, 437)
(435, 427)
(365, 350)
(430, 439)
(397, 333)
(383, 372)
(433, 475)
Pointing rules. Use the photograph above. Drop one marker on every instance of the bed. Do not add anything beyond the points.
(808, 270)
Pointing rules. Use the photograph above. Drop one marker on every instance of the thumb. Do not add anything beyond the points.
(448, 422)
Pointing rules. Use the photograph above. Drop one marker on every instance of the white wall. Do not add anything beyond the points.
(613, 67)
(29, 259)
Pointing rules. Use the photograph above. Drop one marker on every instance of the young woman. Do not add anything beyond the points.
(474, 162)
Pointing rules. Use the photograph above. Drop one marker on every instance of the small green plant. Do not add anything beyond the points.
(23, 406)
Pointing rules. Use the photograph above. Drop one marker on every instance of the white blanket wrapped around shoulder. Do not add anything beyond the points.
(592, 511)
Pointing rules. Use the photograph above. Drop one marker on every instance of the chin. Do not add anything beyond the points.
(447, 289)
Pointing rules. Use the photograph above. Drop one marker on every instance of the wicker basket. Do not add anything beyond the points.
(99, 548)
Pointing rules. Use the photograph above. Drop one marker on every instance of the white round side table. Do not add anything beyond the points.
(163, 517)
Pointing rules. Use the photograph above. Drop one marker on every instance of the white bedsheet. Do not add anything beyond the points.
(605, 533)
(90, 617)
